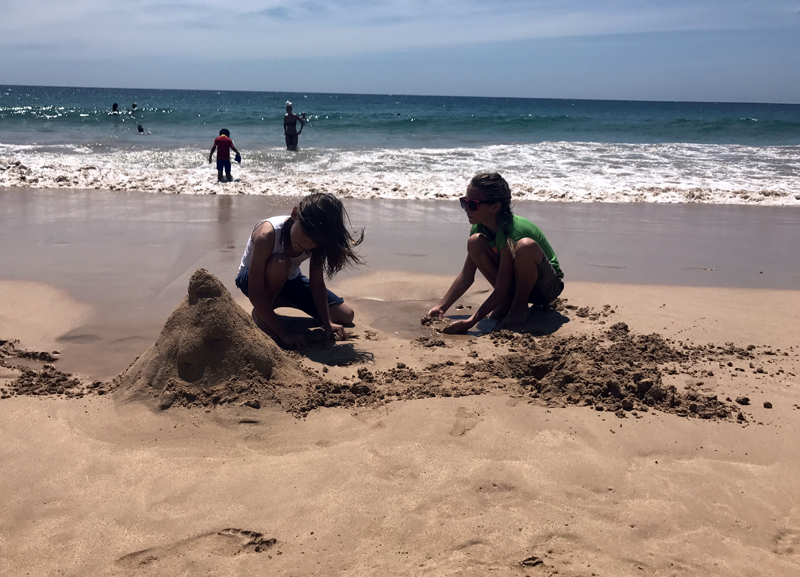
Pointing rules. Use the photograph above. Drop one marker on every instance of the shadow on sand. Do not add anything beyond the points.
(541, 321)
(320, 350)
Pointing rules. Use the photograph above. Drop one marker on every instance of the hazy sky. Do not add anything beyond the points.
(731, 50)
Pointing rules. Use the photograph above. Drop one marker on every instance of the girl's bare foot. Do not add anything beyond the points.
(517, 315)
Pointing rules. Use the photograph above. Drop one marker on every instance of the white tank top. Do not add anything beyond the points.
(277, 223)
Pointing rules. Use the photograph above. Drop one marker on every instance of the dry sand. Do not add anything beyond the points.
(406, 452)
(446, 485)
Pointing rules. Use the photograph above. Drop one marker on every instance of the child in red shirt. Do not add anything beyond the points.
(223, 145)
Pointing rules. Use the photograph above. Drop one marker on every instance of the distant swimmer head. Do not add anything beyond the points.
(133, 106)
(140, 128)
(288, 104)
(114, 107)
(225, 132)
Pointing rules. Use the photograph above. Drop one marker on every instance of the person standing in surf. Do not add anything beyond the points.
(290, 132)
(269, 274)
(223, 145)
(510, 251)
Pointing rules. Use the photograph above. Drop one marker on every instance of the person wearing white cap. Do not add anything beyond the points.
(290, 131)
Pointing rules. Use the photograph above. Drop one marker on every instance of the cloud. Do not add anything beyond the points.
(275, 29)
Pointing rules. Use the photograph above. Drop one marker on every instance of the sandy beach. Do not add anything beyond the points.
(648, 425)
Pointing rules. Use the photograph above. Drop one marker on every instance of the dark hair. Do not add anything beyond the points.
(322, 217)
(226, 132)
(496, 189)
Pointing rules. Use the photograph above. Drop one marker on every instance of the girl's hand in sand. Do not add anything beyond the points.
(436, 312)
(335, 332)
(458, 327)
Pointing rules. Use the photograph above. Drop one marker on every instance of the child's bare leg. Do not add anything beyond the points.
(219, 175)
(275, 274)
(488, 262)
(526, 261)
(279, 302)
(260, 323)
(341, 314)
(485, 259)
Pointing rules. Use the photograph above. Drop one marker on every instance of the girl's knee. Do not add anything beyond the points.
(342, 314)
(477, 243)
(527, 248)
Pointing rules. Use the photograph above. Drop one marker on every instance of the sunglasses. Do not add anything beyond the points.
(473, 204)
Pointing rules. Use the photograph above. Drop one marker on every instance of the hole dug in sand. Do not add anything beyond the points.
(211, 352)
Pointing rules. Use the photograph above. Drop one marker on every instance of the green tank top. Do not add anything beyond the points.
(521, 227)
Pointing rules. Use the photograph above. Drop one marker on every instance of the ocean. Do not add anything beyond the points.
(402, 147)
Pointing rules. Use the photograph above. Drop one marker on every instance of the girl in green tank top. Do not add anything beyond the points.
(510, 251)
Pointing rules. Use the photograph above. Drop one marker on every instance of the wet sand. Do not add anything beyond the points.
(130, 255)
(506, 482)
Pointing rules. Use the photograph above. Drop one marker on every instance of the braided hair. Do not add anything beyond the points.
(322, 217)
(496, 189)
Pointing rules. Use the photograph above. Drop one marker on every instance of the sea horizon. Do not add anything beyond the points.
(407, 94)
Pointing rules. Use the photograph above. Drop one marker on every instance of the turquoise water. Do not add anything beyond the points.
(403, 146)
(178, 117)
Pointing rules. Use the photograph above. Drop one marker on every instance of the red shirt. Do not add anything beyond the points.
(223, 144)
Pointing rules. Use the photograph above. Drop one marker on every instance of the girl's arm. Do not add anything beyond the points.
(505, 274)
(460, 285)
(319, 292)
(263, 290)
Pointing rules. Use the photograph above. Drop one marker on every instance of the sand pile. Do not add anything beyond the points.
(615, 370)
(211, 352)
(18, 379)
(9, 348)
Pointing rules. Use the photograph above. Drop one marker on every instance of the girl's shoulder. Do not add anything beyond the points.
(267, 227)
(522, 224)
(274, 222)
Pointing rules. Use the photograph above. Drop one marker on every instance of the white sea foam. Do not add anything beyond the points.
(562, 171)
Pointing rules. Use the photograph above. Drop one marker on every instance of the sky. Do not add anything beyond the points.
(695, 50)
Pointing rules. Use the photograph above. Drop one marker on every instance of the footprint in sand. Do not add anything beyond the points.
(465, 421)
(787, 542)
(223, 543)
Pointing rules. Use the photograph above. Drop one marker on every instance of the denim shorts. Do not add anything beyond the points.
(224, 164)
(296, 291)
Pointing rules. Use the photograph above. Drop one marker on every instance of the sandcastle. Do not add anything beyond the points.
(211, 352)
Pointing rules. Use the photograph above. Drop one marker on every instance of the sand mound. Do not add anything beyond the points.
(617, 371)
(18, 379)
(211, 352)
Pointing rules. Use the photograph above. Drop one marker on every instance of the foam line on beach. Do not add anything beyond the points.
(556, 171)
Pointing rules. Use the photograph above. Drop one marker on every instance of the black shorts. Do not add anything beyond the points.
(291, 140)
(296, 291)
(548, 286)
